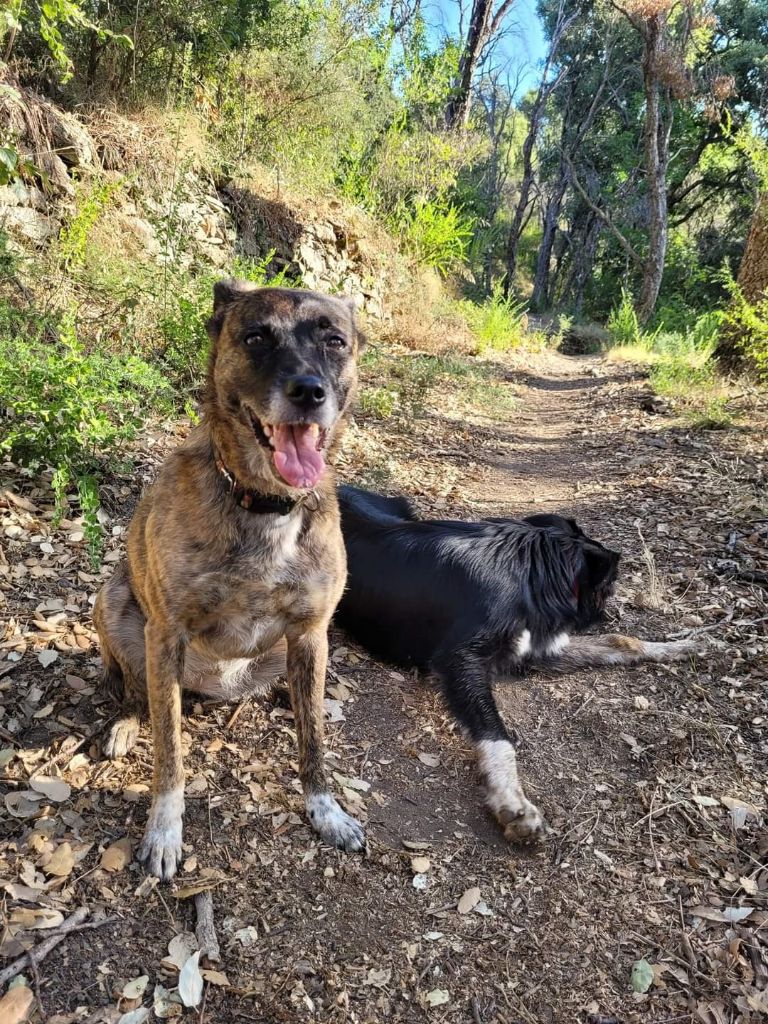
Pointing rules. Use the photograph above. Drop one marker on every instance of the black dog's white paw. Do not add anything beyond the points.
(522, 824)
(334, 825)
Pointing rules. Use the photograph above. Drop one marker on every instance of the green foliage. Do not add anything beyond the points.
(67, 408)
(623, 323)
(54, 19)
(73, 238)
(436, 233)
(747, 324)
(498, 323)
(379, 402)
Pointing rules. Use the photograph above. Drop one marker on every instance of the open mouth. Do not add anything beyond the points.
(297, 449)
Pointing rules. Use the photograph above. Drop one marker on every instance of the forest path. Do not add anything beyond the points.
(637, 772)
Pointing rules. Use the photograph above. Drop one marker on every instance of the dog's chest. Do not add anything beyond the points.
(270, 582)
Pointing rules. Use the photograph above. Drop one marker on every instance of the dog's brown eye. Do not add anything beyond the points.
(253, 338)
(335, 341)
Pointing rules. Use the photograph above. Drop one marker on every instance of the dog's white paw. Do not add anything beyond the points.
(522, 823)
(521, 820)
(160, 850)
(122, 738)
(333, 824)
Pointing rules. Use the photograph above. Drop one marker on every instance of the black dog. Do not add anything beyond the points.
(471, 602)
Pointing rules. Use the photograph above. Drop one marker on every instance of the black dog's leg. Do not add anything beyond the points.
(465, 679)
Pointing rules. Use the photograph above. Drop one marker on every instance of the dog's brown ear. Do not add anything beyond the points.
(355, 304)
(224, 294)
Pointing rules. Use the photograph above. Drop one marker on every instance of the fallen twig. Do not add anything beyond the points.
(33, 957)
(206, 929)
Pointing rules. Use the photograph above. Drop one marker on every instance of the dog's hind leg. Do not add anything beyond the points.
(465, 678)
(120, 625)
(615, 649)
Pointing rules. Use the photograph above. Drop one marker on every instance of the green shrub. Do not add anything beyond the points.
(69, 409)
(435, 232)
(73, 238)
(498, 324)
(747, 324)
(379, 402)
(623, 324)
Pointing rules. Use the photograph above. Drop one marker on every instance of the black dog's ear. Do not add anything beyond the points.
(224, 294)
(602, 565)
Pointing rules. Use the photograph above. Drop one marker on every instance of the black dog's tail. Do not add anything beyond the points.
(376, 508)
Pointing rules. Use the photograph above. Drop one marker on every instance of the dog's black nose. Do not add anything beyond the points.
(306, 391)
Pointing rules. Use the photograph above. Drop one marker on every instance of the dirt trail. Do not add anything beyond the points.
(630, 768)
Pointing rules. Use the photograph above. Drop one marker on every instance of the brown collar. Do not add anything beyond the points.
(253, 501)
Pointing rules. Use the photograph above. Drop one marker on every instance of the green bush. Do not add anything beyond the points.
(379, 402)
(498, 324)
(747, 324)
(436, 233)
(623, 324)
(69, 409)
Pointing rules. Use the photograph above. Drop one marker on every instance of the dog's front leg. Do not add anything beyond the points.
(307, 660)
(467, 687)
(161, 848)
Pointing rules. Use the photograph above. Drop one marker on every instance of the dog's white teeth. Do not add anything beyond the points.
(267, 430)
(314, 429)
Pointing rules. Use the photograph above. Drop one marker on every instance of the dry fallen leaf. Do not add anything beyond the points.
(47, 657)
(166, 1004)
(54, 789)
(437, 997)
(469, 899)
(430, 760)
(21, 805)
(62, 861)
(420, 864)
(16, 1004)
(191, 981)
(117, 856)
(197, 887)
(135, 989)
(180, 948)
(137, 1016)
(216, 978)
(33, 919)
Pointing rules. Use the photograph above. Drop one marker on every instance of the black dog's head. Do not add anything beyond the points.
(594, 567)
(281, 376)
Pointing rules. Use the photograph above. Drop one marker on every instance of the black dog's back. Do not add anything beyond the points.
(401, 596)
(418, 589)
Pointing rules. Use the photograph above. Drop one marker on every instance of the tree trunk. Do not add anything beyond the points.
(752, 280)
(519, 219)
(457, 110)
(540, 295)
(656, 161)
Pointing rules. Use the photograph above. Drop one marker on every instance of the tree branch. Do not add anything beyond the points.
(626, 245)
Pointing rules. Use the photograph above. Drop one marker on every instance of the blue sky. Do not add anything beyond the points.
(523, 46)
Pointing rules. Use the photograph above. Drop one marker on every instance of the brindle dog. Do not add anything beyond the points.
(235, 561)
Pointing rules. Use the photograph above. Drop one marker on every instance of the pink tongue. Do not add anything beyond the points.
(297, 459)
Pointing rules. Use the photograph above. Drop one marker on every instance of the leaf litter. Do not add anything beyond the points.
(676, 806)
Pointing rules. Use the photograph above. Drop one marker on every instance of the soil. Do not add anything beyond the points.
(652, 780)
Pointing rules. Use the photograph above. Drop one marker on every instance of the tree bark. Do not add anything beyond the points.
(539, 299)
(752, 279)
(656, 149)
(457, 111)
